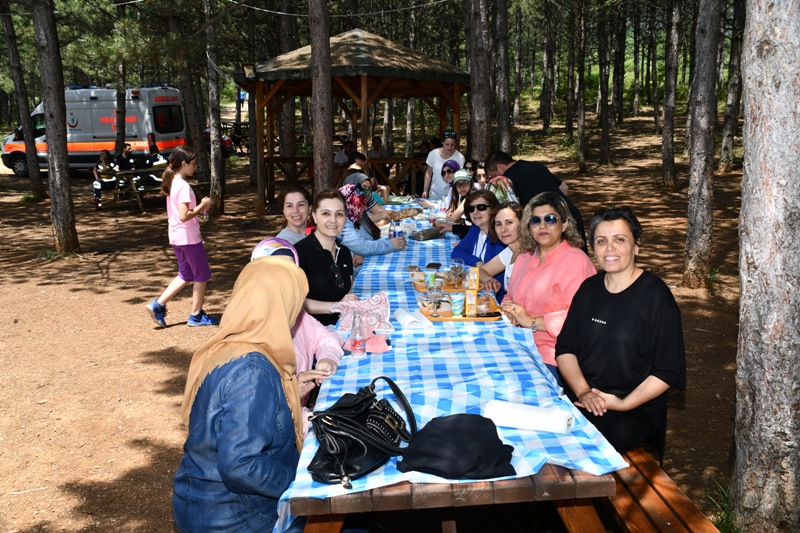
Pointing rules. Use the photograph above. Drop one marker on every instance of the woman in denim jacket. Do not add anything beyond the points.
(242, 408)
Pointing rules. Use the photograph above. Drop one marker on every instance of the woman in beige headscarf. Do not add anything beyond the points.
(242, 407)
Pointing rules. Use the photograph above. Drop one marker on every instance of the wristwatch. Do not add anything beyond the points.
(533, 326)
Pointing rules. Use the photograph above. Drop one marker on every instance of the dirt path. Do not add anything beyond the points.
(89, 427)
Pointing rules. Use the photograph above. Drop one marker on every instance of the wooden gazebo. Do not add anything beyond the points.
(364, 68)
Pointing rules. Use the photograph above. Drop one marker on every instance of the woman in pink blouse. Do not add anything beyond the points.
(548, 272)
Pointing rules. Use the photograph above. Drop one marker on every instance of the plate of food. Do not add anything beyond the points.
(449, 282)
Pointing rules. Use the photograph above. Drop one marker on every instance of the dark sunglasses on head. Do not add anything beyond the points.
(548, 219)
(450, 134)
(448, 170)
(479, 207)
(337, 272)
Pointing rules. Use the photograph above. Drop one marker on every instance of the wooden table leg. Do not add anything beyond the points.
(332, 523)
(579, 515)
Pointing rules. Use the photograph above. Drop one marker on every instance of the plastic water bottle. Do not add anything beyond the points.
(397, 231)
(358, 340)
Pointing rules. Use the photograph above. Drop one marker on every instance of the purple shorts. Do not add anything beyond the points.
(192, 262)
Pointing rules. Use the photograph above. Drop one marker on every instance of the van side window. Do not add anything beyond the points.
(168, 118)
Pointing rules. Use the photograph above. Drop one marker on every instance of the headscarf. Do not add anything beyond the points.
(503, 189)
(265, 301)
(274, 246)
(451, 163)
(355, 197)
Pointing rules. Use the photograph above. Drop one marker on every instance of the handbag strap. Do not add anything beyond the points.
(348, 428)
(401, 398)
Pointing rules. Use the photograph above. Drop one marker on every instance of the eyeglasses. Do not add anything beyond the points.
(448, 170)
(469, 168)
(450, 134)
(337, 272)
(479, 207)
(548, 219)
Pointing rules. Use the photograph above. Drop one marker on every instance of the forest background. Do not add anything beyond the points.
(582, 66)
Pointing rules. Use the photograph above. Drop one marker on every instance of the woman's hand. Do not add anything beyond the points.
(350, 297)
(492, 285)
(593, 401)
(399, 243)
(443, 227)
(518, 315)
(329, 366)
(309, 379)
(358, 260)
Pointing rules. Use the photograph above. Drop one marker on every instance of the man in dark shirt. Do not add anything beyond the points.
(529, 179)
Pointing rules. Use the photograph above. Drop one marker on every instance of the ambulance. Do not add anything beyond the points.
(153, 115)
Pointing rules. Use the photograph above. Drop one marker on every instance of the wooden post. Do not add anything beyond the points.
(261, 171)
(364, 109)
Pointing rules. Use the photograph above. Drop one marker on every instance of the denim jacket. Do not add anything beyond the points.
(240, 455)
(360, 242)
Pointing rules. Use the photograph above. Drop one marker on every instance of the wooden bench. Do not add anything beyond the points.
(648, 500)
(125, 188)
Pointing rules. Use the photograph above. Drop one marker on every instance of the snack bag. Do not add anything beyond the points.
(474, 277)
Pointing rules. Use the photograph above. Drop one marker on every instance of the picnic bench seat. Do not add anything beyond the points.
(648, 500)
(124, 187)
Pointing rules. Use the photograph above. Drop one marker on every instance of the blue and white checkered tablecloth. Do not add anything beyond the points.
(456, 367)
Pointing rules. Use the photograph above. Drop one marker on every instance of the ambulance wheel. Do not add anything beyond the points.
(19, 164)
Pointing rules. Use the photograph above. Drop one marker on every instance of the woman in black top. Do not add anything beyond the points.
(621, 347)
(328, 265)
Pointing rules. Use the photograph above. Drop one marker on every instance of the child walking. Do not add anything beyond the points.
(185, 238)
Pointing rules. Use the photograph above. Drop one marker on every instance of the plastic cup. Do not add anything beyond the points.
(457, 303)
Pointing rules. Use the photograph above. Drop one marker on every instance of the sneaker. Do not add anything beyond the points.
(98, 205)
(202, 319)
(157, 312)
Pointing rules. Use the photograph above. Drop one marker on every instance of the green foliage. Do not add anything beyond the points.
(725, 517)
(525, 143)
(711, 278)
(48, 256)
(29, 198)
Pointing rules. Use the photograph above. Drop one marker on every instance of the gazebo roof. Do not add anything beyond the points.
(360, 53)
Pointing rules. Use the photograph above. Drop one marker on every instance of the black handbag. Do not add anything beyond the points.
(358, 434)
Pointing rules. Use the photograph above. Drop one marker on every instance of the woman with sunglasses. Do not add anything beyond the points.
(479, 245)
(449, 169)
(328, 265)
(359, 234)
(548, 272)
(435, 186)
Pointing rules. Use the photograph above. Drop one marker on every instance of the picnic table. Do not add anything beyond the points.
(124, 187)
(456, 368)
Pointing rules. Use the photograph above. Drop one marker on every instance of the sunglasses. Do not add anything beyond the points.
(450, 134)
(337, 272)
(479, 207)
(469, 168)
(448, 170)
(548, 219)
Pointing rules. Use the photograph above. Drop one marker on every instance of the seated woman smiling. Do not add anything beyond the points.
(328, 265)
(621, 346)
(548, 272)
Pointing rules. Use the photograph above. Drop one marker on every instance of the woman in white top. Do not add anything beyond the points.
(435, 186)
(506, 226)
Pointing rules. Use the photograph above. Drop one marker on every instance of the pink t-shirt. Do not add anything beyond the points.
(546, 290)
(182, 233)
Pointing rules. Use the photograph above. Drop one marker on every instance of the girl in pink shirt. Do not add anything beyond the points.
(548, 272)
(185, 238)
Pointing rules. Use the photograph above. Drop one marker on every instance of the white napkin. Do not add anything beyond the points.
(521, 416)
(415, 320)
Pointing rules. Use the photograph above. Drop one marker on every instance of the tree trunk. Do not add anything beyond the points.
(670, 81)
(252, 142)
(288, 128)
(582, 89)
(21, 91)
(319, 26)
(603, 53)
(637, 42)
(704, 116)
(517, 63)
(533, 64)
(305, 121)
(654, 66)
(410, 127)
(62, 215)
(570, 111)
(217, 189)
(619, 63)
(480, 118)
(503, 104)
(122, 78)
(692, 63)
(548, 72)
(734, 89)
(765, 490)
(388, 126)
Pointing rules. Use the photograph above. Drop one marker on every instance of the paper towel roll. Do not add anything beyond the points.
(521, 416)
